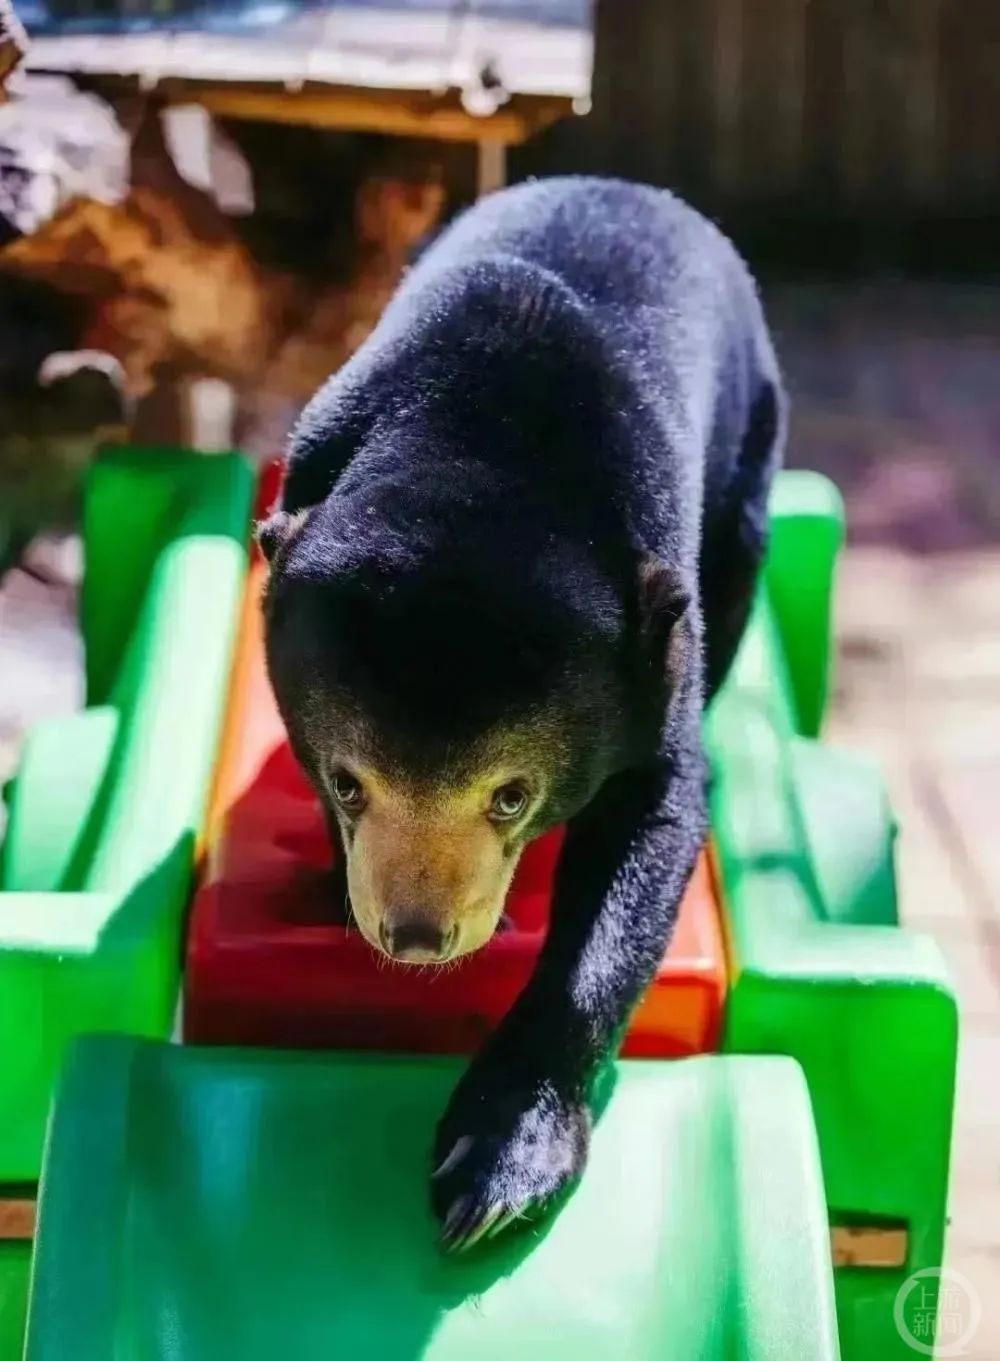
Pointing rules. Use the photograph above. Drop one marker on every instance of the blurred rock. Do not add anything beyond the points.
(56, 144)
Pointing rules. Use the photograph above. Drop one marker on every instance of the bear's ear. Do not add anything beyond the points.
(278, 531)
(664, 611)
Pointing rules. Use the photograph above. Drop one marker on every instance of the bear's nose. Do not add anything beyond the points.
(416, 939)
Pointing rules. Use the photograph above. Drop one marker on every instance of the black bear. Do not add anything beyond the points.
(517, 544)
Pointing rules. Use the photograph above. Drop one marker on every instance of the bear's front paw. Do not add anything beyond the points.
(503, 1152)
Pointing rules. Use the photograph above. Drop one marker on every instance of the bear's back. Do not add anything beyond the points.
(610, 241)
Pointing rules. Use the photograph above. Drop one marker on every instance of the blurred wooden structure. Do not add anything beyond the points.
(854, 107)
(455, 75)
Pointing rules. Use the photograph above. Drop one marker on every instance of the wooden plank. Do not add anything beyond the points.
(17, 1218)
(921, 99)
(856, 131)
(888, 119)
(789, 91)
(970, 105)
(888, 50)
(873, 1246)
(823, 100)
(491, 167)
(636, 77)
(613, 54)
(773, 79)
(694, 98)
(656, 81)
(354, 110)
(727, 105)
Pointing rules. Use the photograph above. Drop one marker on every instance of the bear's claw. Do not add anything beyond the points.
(453, 1158)
(528, 1148)
(465, 1225)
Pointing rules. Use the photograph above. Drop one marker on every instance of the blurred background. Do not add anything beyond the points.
(203, 208)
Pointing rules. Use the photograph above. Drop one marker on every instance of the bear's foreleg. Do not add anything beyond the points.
(516, 1131)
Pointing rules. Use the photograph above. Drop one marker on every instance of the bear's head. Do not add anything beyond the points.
(455, 684)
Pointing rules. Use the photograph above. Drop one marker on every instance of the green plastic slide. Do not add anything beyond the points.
(106, 806)
(821, 970)
(202, 1204)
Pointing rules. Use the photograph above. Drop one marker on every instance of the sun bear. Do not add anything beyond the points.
(515, 550)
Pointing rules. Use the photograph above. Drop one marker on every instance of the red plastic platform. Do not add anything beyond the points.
(267, 966)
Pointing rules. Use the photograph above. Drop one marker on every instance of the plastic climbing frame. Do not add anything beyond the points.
(105, 809)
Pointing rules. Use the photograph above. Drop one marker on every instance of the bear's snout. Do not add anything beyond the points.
(415, 938)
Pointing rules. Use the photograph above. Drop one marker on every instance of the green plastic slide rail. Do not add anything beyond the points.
(202, 1203)
(15, 1265)
(822, 972)
(105, 809)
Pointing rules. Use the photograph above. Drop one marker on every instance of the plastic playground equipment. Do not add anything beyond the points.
(104, 811)
(202, 1202)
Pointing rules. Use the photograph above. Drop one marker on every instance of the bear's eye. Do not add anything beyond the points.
(508, 802)
(347, 791)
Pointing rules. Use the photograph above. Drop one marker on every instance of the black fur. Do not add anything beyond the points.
(538, 494)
